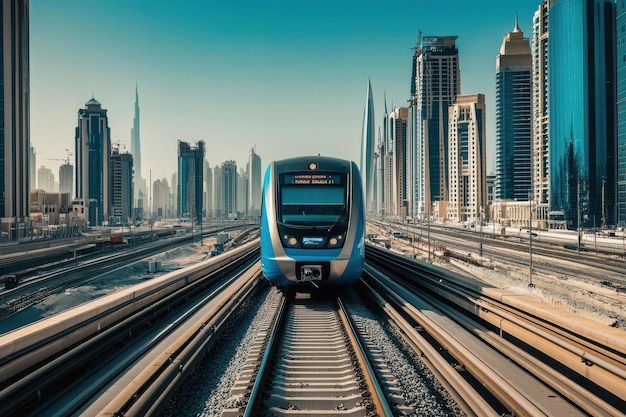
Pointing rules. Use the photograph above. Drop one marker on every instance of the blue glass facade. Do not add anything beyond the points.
(582, 81)
(93, 150)
(190, 180)
(621, 112)
(513, 134)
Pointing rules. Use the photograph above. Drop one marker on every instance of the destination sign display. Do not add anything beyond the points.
(312, 179)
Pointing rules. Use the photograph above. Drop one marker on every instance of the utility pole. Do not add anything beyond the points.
(480, 252)
(530, 240)
(429, 232)
(578, 213)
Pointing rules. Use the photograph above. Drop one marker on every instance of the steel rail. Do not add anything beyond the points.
(516, 398)
(264, 365)
(461, 391)
(148, 392)
(378, 396)
(575, 352)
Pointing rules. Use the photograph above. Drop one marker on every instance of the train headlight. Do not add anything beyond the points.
(290, 241)
(335, 241)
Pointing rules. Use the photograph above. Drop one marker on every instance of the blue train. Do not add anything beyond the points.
(312, 222)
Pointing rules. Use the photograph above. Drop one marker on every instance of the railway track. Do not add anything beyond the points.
(310, 361)
(531, 357)
(83, 349)
(493, 351)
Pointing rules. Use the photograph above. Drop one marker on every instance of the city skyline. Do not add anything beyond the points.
(284, 78)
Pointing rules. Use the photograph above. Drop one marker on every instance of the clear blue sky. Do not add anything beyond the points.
(286, 76)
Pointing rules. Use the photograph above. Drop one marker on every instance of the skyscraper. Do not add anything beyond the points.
(368, 147)
(242, 191)
(254, 183)
(66, 178)
(14, 119)
(160, 198)
(45, 179)
(121, 187)
(140, 189)
(435, 84)
(209, 206)
(32, 168)
(540, 100)
(621, 113)
(227, 189)
(468, 170)
(190, 180)
(513, 117)
(93, 151)
(582, 80)
(398, 122)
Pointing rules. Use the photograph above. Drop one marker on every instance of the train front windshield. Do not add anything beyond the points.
(313, 200)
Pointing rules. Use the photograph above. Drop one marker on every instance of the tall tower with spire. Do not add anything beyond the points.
(135, 150)
(368, 148)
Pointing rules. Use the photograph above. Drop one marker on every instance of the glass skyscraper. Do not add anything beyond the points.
(15, 175)
(368, 146)
(435, 84)
(93, 151)
(582, 97)
(513, 117)
(255, 178)
(621, 113)
(190, 180)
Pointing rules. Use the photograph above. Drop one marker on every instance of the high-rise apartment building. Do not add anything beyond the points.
(621, 113)
(513, 118)
(218, 195)
(582, 99)
(93, 152)
(45, 179)
(160, 198)
(15, 120)
(242, 191)
(368, 147)
(254, 183)
(468, 172)
(66, 178)
(398, 123)
(540, 107)
(121, 171)
(435, 84)
(226, 188)
(209, 206)
(32, 168)
(190, 180)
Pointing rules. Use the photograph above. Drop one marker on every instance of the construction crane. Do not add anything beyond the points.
(68, 154)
